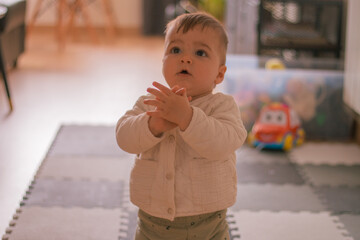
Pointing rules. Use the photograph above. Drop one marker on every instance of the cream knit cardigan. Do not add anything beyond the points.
(184, 173)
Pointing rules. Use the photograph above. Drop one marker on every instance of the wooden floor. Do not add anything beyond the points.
(86, 83)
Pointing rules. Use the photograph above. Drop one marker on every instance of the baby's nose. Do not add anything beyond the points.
(186, 59)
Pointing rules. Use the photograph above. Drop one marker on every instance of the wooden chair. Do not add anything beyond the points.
(64, 24)
(12, 37)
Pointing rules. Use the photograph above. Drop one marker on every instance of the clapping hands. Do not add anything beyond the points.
(172, 109)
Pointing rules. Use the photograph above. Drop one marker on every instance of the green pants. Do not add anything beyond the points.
(201, 227)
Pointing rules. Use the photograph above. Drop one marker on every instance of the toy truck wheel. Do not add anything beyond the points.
(288, 142)
(250, 139)
(301, 137)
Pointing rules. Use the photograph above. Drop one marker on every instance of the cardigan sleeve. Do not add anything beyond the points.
(217, 134)
(132, 131)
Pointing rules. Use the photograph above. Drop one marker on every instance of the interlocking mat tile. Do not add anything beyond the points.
(128, 223)
(325, 175)
(55, 223)
(326, 153)
(91, 168)
(86, 140)
(68, 193)
(258, 197)
(341, 199)
(268, 173)
(351, 223)
(285, 225)
(81, 192)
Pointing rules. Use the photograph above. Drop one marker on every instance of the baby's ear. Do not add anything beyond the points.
(221, 74)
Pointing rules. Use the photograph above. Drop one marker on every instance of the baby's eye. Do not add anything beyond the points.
(201, 53)
(175, 50)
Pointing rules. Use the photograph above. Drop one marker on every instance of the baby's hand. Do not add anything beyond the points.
(171, 104)
(180, 91)
(159, 125)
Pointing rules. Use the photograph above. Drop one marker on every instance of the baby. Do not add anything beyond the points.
(184, 137)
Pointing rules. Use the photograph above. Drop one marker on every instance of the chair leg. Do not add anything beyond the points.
(111, 25)
(81, 6)
(34, 16)
(3, 72)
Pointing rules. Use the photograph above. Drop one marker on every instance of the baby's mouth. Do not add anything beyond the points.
(184, 72)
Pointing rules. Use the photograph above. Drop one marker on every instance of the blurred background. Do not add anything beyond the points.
(87, 61)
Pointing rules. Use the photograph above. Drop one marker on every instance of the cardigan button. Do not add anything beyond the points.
(170, 211)
(171, 138)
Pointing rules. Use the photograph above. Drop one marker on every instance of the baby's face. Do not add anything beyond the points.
(192, 60)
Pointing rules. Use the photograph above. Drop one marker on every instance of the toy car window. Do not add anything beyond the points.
(273, 117)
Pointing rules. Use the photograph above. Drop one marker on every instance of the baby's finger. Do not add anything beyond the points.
(158, 94)
(162, 88)
(175, 88)
(181, 91)
(155, 113)
(153, 102)
(185, 94)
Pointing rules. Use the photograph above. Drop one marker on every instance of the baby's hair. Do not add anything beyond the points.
(188, 21)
